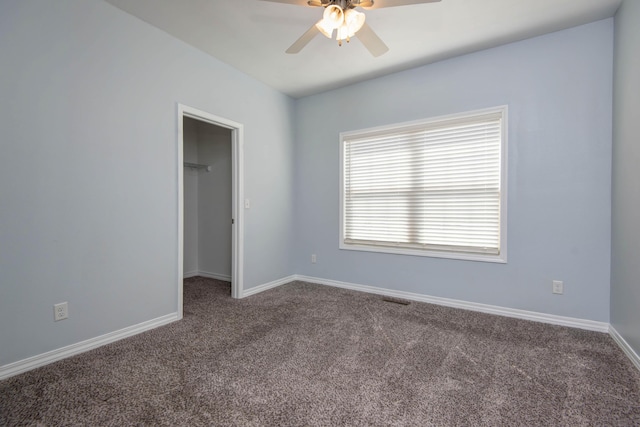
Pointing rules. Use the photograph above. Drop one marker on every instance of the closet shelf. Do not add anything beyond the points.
(197, 166)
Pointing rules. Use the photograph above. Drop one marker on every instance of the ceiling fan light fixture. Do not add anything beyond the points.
(343, 34)
(341, 15)
(324, 28)
(353, 22)
(333, 16)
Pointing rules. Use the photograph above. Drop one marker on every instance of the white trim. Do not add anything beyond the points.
(237, 195)
(624, 345)
(572, 322)
(190, 274)
(270, 285)
(426, 253)
(237, 209)
(218, 276)
(33, 362)
(43, 359)
(180, 225)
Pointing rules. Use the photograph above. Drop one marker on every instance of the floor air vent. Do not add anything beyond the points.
(396, 300)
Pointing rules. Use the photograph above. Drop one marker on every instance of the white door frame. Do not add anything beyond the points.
(237, 195)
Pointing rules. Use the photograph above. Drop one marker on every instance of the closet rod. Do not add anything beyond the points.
(197, 166)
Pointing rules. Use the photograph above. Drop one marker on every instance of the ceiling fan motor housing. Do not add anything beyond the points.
(343, 4)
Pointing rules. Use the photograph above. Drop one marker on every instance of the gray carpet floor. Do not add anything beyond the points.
(311, 355)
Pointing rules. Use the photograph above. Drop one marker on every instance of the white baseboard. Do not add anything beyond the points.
(590, 325)
(190, 274)
(30, 363)
(624, 345)
(33, 362)
(266, 286)
(223, 277)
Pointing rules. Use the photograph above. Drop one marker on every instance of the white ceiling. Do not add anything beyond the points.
(252, 35)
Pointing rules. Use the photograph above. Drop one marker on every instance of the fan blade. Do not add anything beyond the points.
(371, 41)
(362, 3)
(304, 40)
(294, 2)
(379, 4)
(315, 3)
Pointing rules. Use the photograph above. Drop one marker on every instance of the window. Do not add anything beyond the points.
(432, 188)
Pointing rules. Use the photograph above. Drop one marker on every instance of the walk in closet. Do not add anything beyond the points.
(207, 200)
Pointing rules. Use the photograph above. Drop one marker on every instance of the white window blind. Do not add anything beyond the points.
(434, 186)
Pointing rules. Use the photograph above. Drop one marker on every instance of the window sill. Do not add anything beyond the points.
(498, 259)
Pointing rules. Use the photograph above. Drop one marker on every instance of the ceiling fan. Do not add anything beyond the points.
(342, 17)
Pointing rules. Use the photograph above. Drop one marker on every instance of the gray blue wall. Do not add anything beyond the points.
(625, 253)
(88, 169)
(88, 172)
(559, 91)
(214, 200)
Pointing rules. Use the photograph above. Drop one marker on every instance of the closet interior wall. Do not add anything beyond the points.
(207, 200)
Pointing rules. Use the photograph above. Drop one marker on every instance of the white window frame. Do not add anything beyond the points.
(401, 127)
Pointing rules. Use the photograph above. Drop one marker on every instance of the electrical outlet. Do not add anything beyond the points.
(558, 287)
(60, 311)
(313, 258)
(247, 204)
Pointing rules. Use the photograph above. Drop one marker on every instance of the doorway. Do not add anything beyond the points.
(189, 119)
